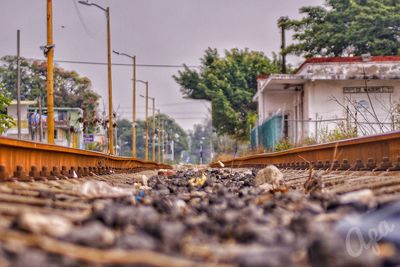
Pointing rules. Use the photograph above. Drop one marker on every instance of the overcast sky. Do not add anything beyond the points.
(157, 31)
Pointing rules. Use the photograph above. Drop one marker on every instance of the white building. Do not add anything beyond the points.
(12, 111)
(326, 93)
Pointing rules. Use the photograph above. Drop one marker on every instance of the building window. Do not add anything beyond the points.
(55, 134)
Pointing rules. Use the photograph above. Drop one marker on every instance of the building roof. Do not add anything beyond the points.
(333, 68)
(355, 59)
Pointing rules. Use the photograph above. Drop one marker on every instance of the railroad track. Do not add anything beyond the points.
(371, 153)
(32, 213)
(29, 161)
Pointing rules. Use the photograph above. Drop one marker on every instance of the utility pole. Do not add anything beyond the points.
(134, 110)
(18, 84)
(110, 109)
(110, 104)
(153, 147)
(153, 132)
(163, 143)
(134, 102)
(146, 154)
(49, 49)
(147, 122)
(159, 137)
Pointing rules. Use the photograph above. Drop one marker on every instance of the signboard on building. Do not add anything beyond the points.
(368, 89)
(88, 138)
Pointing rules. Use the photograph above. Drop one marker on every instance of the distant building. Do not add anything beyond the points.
(327, 93)
(67, 126)
(12, 111)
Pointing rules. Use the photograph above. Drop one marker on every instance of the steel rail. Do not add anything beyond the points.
(377, 152)
(26, 160)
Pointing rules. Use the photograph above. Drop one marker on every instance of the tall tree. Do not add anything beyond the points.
(70, 89)
(347, 27)
(229, 82)
(5, 120)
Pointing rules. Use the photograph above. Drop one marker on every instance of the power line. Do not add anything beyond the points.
(170, 104)
(125, 110)
(124, 64)
(177, 119)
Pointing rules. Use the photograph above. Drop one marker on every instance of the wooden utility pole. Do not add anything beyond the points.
(134, 101)
(163, 143)
(110, 103)
(159, 137)
(134, 110)
(18, 84)
(50, 82)
(153, 132)
(146, 155)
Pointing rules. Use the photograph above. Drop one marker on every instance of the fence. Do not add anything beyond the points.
(267, 134)
(320, 130)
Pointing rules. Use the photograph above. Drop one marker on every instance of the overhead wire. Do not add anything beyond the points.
(145, 65)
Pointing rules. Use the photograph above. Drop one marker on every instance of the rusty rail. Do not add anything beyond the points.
(377, 152)
(25, 160)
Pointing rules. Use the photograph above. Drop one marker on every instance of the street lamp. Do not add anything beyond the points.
(110, 109)
(146, 154)
(134, 102)
(153, 148)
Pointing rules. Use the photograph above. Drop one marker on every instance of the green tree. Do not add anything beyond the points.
(174, 132)
(5, 120)
(347, 27)
(230, 83)
(70, 89)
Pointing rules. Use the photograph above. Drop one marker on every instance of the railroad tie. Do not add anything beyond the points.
(35, 174)
(44, 173)
(358, 166)
(64, 172)
(345, 165)
(336, 165)
(54, 174)
(319, 165)
(21, 175)
(72, 173)
(3, 174)
(396, 166)
(327, 165)
(79, 172)
(85, 172)
(371, 165)
(385, 165)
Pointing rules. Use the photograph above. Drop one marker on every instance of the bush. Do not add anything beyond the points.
(5, 120)
(339, 133)
(283, 145)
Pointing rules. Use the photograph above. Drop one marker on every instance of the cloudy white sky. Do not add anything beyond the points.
(157, 31)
